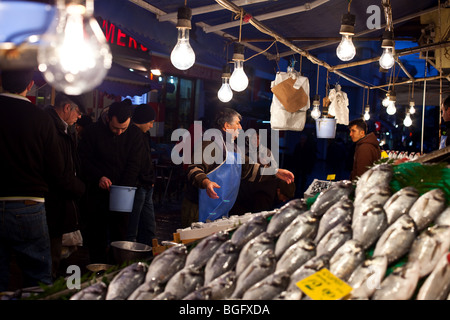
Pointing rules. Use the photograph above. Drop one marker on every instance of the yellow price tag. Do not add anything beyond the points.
(331, 177)
(384, 154)
(323, 285)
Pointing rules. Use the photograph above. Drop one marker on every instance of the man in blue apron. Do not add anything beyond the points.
(213, 186)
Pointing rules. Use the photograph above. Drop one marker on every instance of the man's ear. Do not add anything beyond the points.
(30, 85)
(67, 107)
(226, 126)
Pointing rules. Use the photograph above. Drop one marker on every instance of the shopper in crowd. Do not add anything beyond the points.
(367, 149)
(61, 205)
(110, 153)
(445, 128)
(141, 226)
(213, 184)
(30, 160)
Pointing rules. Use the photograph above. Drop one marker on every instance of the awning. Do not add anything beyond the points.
(123, 82)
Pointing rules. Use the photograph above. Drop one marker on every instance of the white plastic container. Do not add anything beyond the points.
(326, 128)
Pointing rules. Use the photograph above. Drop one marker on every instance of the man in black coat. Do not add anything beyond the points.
(110, 154)
(30, 160)
(61, 205)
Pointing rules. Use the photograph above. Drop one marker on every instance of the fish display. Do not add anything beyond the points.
(126, 281)
(385, 245)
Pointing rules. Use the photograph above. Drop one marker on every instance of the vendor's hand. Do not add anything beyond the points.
(104, 183)
(209, 186)
(285, 175)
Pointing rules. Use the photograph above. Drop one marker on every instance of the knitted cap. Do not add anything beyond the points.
(143, 113)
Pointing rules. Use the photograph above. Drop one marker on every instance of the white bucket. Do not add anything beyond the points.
(121, 198)
(326, 128)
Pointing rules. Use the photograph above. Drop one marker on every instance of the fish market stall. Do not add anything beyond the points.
(386, 236)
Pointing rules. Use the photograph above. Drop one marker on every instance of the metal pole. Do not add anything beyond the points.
(423, 103)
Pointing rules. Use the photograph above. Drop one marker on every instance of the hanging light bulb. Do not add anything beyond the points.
(385, 101)
(182, 56)
(407, 122)
(391, 109)
(238, 79)
(346, 50)
(366, 113)
(225, 93)
(315, 113)
(74, 56)
(387, 58)
(412, 110)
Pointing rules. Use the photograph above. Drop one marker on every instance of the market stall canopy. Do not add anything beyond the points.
(123, 82)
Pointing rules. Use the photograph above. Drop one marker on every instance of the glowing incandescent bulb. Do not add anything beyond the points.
(387, 58)
(225, 93)
(412, 110)
(366, 113)
(74, 56)
(315, 113)
(238, 79)
(408, 121)
(182, 55)
(346, 49)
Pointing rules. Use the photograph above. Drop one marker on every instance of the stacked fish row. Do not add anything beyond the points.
(265, 257)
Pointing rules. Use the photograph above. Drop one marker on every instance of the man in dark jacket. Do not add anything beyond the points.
(29, 161)
(110, 153)
(61, 205)
(141, 226)
(367, 149)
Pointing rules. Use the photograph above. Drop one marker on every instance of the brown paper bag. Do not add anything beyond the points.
(291, 98)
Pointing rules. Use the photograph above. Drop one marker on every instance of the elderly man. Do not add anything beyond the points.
(62, 205)
(367, 149)
(110, 153)
(213, 185)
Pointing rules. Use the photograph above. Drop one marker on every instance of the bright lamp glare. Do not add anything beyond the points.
(182, 56)
(346, 50)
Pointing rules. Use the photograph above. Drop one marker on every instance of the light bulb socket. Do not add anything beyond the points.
(316, 100)
(388, 39)
(226, 71)
(412, 103)
(348, 24)
(238, 52)
(392, 96)
(184, 17)
(367, 108)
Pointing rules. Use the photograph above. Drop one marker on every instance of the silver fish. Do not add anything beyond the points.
(166, 296)
(223, 260)
(268, 288)
(185, 281)
(303, 227)
(334, 239)
(249, 230)
(253, 249)
(429, 247)
(400, 284)
(223, 286)
(367, 277)
(378, 194)
(427, 208)
(260, 268)
(203, 293)
(378, 175)
(295, 294)
(397, 239)
(296, 255)
(330, 196)
(338, 213)
(310, 267)
(282, 218)
(444, 217)
(166, 264)
(126, 281)
(147, 291)
(96, 291)
(346, 259)
(200, 254)
(369, 225)
(437, 284)
(400, 203)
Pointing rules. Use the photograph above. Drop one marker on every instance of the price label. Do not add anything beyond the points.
(323, 285)
(331, 177)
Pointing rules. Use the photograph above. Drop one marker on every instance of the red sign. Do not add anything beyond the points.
(115, 35)
(377, 125)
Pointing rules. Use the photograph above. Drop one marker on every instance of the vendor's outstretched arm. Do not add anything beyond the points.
(285, 175)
